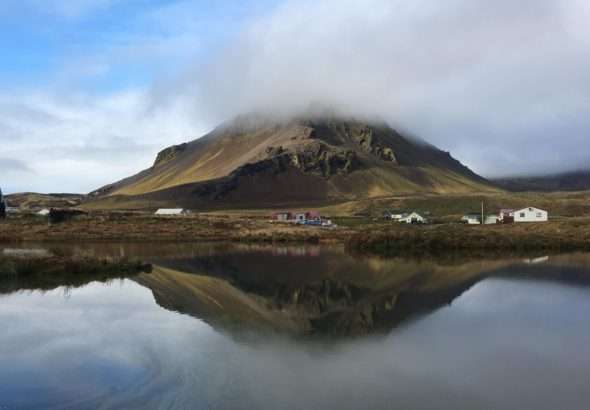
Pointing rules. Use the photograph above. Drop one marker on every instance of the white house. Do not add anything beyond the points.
(492, 219)
(531, 215)
(171, 212)
(472, 219)
(396, 215)
(300, 217)
(475, 219)
(43, 212)
(412, 218)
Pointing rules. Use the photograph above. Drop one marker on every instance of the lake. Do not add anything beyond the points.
(220, 326)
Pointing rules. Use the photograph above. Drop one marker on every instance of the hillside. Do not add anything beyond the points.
(569, 181)
(33, 201)
(257, 162)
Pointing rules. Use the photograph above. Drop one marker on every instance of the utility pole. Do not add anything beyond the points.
(483, 221)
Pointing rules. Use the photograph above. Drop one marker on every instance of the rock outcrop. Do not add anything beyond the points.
(168, 154)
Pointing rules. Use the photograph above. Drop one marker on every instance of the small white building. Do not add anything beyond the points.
(472, 219)
(300, 217)
(531, 215)
(171, 212)
(397, 215)
(492, 220)
(43, 212)
(412, 218)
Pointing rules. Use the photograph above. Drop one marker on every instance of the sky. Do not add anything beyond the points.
(91, 90)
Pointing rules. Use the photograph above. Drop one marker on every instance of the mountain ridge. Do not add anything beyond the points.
(570, 181)
(257, 160)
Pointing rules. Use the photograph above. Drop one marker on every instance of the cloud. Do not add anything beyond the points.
(503, 85)
(78, 142)
(13, 166)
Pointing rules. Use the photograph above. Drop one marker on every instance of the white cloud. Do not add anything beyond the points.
(501, 84)
(80, 142)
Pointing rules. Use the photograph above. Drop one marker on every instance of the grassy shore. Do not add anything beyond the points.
(52, 271)
(557, 236)
(359, 234)
(138, 228)
(360, 225)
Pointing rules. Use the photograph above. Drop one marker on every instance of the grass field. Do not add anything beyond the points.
(360, 224)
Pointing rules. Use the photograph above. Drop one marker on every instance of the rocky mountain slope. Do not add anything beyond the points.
(256, 161)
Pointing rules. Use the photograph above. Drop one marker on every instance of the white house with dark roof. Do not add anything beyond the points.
(531, 214)
(412, 218)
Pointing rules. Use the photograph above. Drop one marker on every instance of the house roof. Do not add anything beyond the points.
(530, 208)
(169, 211)
(412, 213)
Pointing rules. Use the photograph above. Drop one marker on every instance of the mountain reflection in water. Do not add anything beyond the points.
(515, 336)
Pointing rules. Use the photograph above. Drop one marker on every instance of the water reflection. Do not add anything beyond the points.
(515, 336)
(307, 290)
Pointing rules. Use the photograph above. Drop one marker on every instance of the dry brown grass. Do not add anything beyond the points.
(567, 235)
(129, 227)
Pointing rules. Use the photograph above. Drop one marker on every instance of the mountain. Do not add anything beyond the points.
(255, 161)
(569, 181)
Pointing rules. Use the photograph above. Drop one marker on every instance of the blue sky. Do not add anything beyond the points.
(91, 90)
(115, 43)
(64, 60)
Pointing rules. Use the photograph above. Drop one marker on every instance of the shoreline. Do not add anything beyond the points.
(381, 237)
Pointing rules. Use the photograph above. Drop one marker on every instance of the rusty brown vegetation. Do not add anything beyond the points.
(564, 235)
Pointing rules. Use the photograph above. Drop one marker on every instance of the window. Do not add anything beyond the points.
(539, 215)
(522, 215)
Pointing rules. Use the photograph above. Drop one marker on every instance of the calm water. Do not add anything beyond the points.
(226, 327)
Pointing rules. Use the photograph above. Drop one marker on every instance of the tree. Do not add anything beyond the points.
(2, 206)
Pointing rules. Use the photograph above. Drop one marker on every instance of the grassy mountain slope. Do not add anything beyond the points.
(254, 161)
(569, 181)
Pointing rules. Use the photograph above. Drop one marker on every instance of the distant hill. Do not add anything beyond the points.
(32, 201)
(255, 161)
(570, 181)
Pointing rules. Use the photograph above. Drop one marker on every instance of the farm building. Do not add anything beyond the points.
(412, 218)
(472, 219)
(43, 212)
(300, 217)
(531, 215)
(395, 215)
(313, 216)
(506, 216)
(492, 220)
(59, 215)
(282, 216)
(475, 219)
(172, 212)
